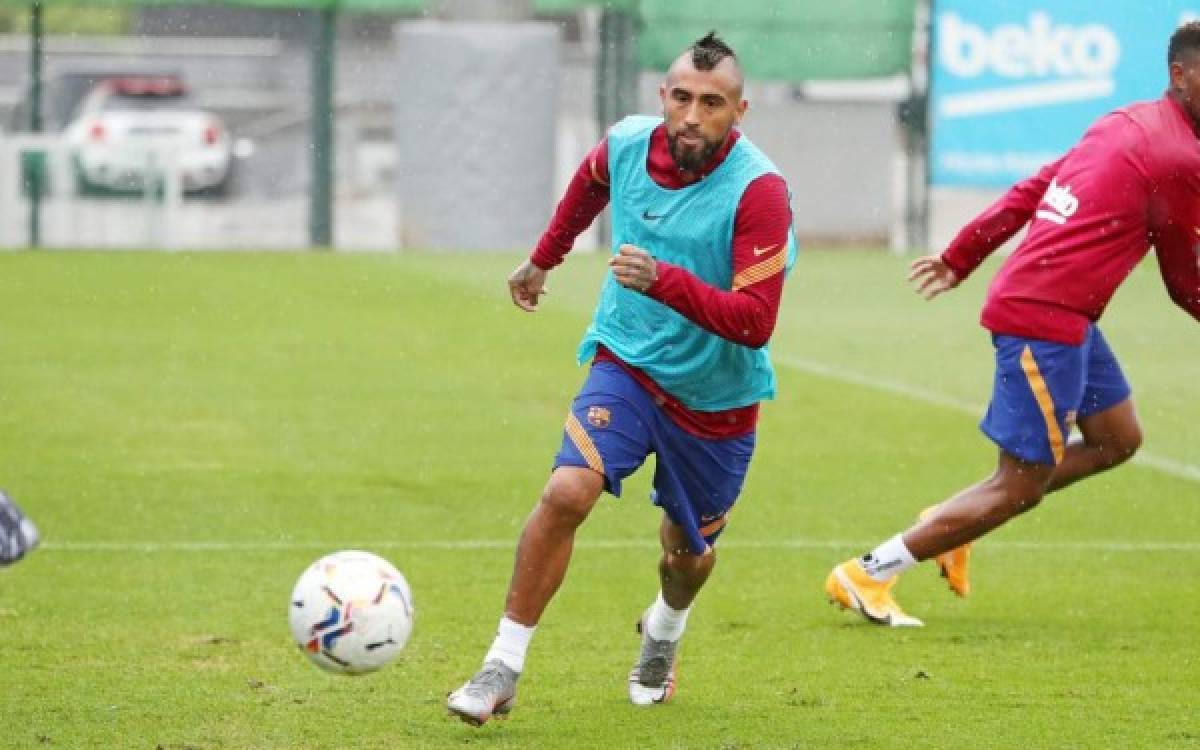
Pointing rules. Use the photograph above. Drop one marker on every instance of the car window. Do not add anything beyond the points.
(127, 102)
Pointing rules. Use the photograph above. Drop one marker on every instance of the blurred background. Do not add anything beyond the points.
(455, 124)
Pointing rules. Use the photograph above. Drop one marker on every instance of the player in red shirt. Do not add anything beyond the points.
(1132, 182)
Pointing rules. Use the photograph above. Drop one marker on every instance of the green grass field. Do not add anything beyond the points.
(191, 430)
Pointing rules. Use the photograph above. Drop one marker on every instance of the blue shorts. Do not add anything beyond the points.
(1042, 387)
(614, 425)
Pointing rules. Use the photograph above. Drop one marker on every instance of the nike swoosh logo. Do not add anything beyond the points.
(651, 217)
(764, 250)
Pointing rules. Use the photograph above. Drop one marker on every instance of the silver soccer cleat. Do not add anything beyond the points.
(652, 679)
(491, 692)
(18, 535)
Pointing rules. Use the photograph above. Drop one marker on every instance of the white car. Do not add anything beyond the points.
(130, 131)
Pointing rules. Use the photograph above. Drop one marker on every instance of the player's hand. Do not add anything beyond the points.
(931, 276)
(634, 268)
(526, 284)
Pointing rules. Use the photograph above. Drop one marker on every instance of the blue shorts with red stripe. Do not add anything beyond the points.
(1043, 387)
(614, 425)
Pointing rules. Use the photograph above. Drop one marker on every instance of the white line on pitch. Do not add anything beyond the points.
(1178, 469)
(508, 544)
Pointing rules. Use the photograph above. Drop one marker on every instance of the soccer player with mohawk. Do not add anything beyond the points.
(701, 243)
(1132, 182)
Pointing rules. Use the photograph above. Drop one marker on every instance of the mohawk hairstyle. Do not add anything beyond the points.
(710, 50)
(1185, 39)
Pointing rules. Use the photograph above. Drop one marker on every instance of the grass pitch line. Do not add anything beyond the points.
(1169, 466)
(617, 544)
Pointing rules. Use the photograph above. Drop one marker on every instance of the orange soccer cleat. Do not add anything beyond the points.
(849, 586)
(953, 564)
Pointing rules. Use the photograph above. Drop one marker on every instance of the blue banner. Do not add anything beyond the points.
(1014, 83)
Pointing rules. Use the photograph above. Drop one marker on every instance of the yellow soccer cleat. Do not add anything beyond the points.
(953, 564)
(849, 586)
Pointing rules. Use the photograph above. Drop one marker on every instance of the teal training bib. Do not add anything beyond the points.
(693, 228)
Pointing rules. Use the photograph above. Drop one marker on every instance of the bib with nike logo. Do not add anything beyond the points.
(691, 227)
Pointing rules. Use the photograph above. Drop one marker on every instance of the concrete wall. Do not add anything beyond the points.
(475, 111)
(838, 158)
(951, 208)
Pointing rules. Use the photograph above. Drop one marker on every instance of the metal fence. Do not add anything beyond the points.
(840, 146)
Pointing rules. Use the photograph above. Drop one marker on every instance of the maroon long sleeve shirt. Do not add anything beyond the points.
(1132, 181)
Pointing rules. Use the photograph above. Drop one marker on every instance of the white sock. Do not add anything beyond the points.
(512, 641)
(663, 623)
(888, 559)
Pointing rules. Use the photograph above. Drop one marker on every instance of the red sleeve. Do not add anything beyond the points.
(995, 226)
(1180, 268)
(586, 197)
(745, 314)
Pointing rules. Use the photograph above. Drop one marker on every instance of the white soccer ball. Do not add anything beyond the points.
(351, 612)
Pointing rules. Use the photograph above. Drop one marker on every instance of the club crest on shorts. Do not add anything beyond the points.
(598, 416)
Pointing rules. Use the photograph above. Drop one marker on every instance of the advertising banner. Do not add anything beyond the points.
(1014, 83)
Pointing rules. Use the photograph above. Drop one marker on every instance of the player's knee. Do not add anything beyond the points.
(1016, 493)
(569, 502)
(1120, 447)
(685, 562)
